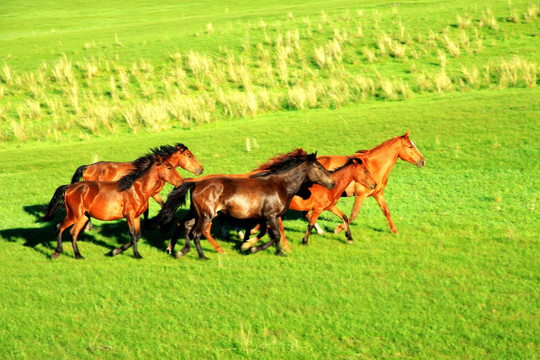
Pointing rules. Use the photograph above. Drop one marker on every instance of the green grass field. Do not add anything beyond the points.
(460, 280)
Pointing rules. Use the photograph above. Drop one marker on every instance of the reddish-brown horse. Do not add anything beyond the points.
(113, 171)
(112, 200)
(262, 197)
(298, 152)
(380, 160)
(322, 199)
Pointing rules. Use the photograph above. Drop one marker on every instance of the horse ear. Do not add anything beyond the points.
(358, 161)
(159, 159)
(407, 134)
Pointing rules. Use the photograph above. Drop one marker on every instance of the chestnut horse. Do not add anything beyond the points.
(113, 171)
(322, 199)
(113, 200)
(380, 160)
(304, 192)
(264, 196)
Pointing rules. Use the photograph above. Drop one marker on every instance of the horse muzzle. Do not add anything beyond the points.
(420, 163)
(199, 171)
(330, 184)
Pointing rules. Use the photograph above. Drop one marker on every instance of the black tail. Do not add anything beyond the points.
(56, 201)
(175, 199)
(78, 173)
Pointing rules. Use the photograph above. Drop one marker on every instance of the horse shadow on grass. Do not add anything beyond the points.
(41, 236)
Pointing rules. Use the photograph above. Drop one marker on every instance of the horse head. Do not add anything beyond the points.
(318, 174)
(409, 152)
(167, 172)
(186, 160)
(362, 174)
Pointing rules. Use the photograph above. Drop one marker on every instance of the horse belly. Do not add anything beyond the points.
(106, 207)
(243, 207)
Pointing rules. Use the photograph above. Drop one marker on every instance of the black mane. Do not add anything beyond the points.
(349, 162)
(286, 162)
(145, 162)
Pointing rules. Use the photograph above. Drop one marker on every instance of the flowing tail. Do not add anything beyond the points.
(175, 199)
(78, 173)
(56, 201)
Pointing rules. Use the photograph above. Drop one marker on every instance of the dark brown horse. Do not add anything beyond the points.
(264, 196)
(322, 199)
(298, 152)
(113, 171)
(380, 160)
(112, 200)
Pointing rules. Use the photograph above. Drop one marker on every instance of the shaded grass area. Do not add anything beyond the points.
(460, 280)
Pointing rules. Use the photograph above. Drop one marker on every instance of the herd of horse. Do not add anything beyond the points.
(257, 200)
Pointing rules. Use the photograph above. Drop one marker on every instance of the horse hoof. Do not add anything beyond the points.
(116, 252)
(281, 254)
(55, 255)
(351, 242)
(220, 251)
(179, 254)
(80, 257)
(138, 257)
(254, 249)
(286, 248)
(245, 246)
(204, 258)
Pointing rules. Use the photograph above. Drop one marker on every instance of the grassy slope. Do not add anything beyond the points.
(459, 281)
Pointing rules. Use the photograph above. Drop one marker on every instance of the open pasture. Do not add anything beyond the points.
(461, 278)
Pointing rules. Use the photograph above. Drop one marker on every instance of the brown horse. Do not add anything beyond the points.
(113, 200)
(264, 196)
(380, 160)
(113, 171)
(322, 199)
(298, 152)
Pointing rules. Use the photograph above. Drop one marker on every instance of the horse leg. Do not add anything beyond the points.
(247, 242)
(358, 201)
(274, 238)
(200, 226)
(212, 241)
(382, 203)
(135, 233)
(188, 227)
(75, 230)
(311, 225)
(286, 245)
(334, 210)
(60, 227)
(319, 229)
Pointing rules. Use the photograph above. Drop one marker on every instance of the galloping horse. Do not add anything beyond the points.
(380, 160)
(110, 200)
(113, 171)
(298, 152)
(322, 199)
(264, 196)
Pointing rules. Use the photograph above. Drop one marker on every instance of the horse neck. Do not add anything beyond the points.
(149, 183)
(293, 179)
(343, 177)
(381, 160)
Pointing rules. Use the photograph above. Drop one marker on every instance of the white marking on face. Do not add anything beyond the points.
(414, 145)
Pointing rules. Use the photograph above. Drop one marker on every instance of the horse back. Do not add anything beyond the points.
(107, 171)
(241, 198)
